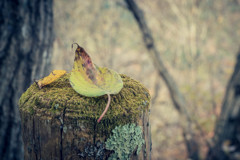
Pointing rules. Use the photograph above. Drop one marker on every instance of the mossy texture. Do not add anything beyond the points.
(124, 141)
(59, 96)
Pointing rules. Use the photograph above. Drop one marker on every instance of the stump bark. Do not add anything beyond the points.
(58, 123)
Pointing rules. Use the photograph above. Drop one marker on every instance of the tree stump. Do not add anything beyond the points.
(60, 124)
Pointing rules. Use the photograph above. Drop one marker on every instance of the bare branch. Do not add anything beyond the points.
(176, 96)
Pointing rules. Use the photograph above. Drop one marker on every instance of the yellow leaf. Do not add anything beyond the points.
(90, 80)
(53, 76)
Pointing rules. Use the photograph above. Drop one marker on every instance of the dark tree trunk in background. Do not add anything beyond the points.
(177, 97)
(26, 38)
(227, 131)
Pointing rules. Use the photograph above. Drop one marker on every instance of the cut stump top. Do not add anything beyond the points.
(59, 99)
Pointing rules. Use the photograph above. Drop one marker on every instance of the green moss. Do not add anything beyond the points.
(59, 96)
(31, 110)
(124, 141)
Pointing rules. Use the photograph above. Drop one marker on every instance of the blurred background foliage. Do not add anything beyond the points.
(198, 41)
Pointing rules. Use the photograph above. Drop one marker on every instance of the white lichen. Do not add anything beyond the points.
(124, 141)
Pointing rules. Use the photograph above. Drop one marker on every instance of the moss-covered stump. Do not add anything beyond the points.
(58, 123)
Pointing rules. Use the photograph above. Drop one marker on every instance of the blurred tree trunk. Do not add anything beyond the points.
(26, 38)
(176, 96)
(227, 131)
